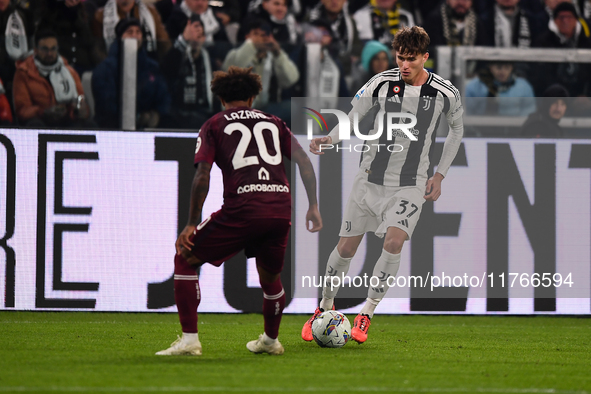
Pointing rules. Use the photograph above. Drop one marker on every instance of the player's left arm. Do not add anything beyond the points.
(313, 218)
(450, 149)
(199, 190)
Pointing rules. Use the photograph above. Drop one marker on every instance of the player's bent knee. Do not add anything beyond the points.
(184, 266)
(393, 247)
(394, 240)
(190, 257)
(266, 277)
(347, 246)
(393, 244)
(346, 252)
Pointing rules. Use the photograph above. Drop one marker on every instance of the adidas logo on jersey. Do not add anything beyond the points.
(404, 222)
(358, 95)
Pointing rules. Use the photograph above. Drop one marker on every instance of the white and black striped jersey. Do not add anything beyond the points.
(406, 163)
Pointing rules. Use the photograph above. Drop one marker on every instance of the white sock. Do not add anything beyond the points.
(267, 340)
(369, 307)
(190, 337)
(386, 267)
(336, 266)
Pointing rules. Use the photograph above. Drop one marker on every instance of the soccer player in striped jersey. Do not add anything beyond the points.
(392, 184)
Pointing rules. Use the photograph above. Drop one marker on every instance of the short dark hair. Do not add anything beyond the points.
(125, 24)
(258, 23)
(44, 33)
(237, 84)
(411, 40)
(565, 6)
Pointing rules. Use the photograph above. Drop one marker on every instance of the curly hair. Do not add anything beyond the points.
(411, 40)
(237, 84)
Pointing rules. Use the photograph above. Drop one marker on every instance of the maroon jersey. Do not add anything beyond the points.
(248, 146)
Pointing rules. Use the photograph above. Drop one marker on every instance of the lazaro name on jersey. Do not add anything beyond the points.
(244, 114)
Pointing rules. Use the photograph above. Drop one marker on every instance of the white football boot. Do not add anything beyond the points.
(259, 346)
(180, 348)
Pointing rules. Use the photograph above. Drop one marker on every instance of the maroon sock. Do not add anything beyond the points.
(273, 304)
(186, 293)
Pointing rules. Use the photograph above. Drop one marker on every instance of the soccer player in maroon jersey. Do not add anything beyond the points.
(248, 146)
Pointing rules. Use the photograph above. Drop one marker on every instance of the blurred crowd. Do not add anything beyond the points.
(61, 60)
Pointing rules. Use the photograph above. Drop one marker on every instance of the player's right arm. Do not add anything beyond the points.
(313, 218)
(199, 190)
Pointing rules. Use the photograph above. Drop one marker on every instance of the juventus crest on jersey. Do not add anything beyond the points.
(406, 166)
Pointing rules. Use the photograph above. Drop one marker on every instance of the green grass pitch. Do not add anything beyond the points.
(114, 352)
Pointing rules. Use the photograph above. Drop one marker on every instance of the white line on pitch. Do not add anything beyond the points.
(284, 389)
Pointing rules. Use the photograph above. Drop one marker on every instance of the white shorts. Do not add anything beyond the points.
(374, 208)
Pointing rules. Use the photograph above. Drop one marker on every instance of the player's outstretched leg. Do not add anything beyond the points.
(386, 267)
(307, 329)
(187, 297)
(336, 266)
(273, 304)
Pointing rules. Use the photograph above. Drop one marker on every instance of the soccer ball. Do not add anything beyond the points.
(331, 329)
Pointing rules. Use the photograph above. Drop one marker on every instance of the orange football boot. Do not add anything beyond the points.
(307, 329)
(360, 327)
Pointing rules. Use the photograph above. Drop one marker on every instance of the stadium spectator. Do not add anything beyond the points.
(501, 92)
(343, 29)
(188, 70)
(548, 16)
(213, 26)
(227, 11)
(531, 7)
(15, 32)
(278, 71)
(381, 19)
(152, 97)
(5, 110)
(509, 24)
(216, 38)
(375, 58)
(551, 108)
(298, 8)
(47, 91)
(155, 37)
(72, 25)
(387, 195)
(565, 32)
(284, 27)
(455, 23)
(253, 221)
(321, 74)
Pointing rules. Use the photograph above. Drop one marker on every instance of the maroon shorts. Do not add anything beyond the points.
(219, 237)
